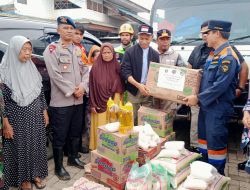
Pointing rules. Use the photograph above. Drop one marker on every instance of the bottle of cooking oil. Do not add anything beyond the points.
(126, 118)
(112, 111)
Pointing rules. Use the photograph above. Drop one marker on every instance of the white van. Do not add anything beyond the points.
(184, 19)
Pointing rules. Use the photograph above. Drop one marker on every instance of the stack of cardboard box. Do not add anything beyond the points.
(113, 159)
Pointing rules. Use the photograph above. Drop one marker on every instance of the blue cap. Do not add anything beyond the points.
(65, 20)
(221, 25)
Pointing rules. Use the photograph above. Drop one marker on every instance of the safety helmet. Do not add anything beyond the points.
(126, 28)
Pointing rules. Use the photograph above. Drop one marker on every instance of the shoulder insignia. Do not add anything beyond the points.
(226, 62)
(214, 62)
(224, 68)
(52, 48)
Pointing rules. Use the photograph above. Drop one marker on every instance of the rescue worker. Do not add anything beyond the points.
(217, 92)
(134, 69)
(197, 60)
(69, 82)
(126, 33)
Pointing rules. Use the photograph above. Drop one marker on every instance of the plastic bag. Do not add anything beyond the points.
(140, 177)
(161, 178)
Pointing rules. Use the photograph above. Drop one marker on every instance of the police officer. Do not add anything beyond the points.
(69, 82)
(126, 33)
(217, 92)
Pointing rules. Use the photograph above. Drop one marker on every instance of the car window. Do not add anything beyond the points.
(41, 43)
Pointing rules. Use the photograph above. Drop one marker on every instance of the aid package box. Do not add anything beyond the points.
(116, 146)
(171, 82)
(161, 122)
(109, 171)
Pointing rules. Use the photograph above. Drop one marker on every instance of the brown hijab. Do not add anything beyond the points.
(104, 80)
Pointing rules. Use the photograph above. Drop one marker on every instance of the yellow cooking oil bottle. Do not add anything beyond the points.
(126, 118)
(112, 111)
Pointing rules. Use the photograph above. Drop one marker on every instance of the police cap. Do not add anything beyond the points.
(163, 33)
(65, 20)
(221, 25)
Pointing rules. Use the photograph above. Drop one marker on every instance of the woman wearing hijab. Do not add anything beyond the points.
(25, 118)
(104, 82)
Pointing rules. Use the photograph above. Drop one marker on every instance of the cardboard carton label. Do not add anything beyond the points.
(104, 168)
(108, 141)
(171, 78)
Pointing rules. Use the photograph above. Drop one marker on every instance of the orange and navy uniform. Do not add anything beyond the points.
(217, 92)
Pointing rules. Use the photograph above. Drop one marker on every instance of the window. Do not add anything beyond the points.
(22, 1)
(95, 6)
(64, 4)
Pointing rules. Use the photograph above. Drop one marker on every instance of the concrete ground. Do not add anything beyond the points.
(53, 183)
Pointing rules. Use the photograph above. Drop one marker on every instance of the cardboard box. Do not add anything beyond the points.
(109, 171)
(161, 122)
(152, 152)
(171, 82)
(116, 146)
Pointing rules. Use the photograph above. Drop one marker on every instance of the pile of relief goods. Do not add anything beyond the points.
(204, 176)
(176, 160)
(166, 171)
(117, 147)
(85, 184)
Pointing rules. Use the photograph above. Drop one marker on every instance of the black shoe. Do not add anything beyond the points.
(84, 150)
(194, 149)
(76, 162)
(242, 165)
(67, 154)
(73, 159)
(60, 171)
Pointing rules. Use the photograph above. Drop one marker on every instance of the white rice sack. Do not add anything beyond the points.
(176, 145)
(112, 127)
(193, 183)
(176, 165)
(208, 171)
(180, 177)
(220, 183)
(169, 153)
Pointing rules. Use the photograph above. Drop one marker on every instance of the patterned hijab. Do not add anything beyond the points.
(23, 79)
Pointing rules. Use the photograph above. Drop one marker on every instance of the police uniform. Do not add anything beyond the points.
(217, 92)
(67, 71)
